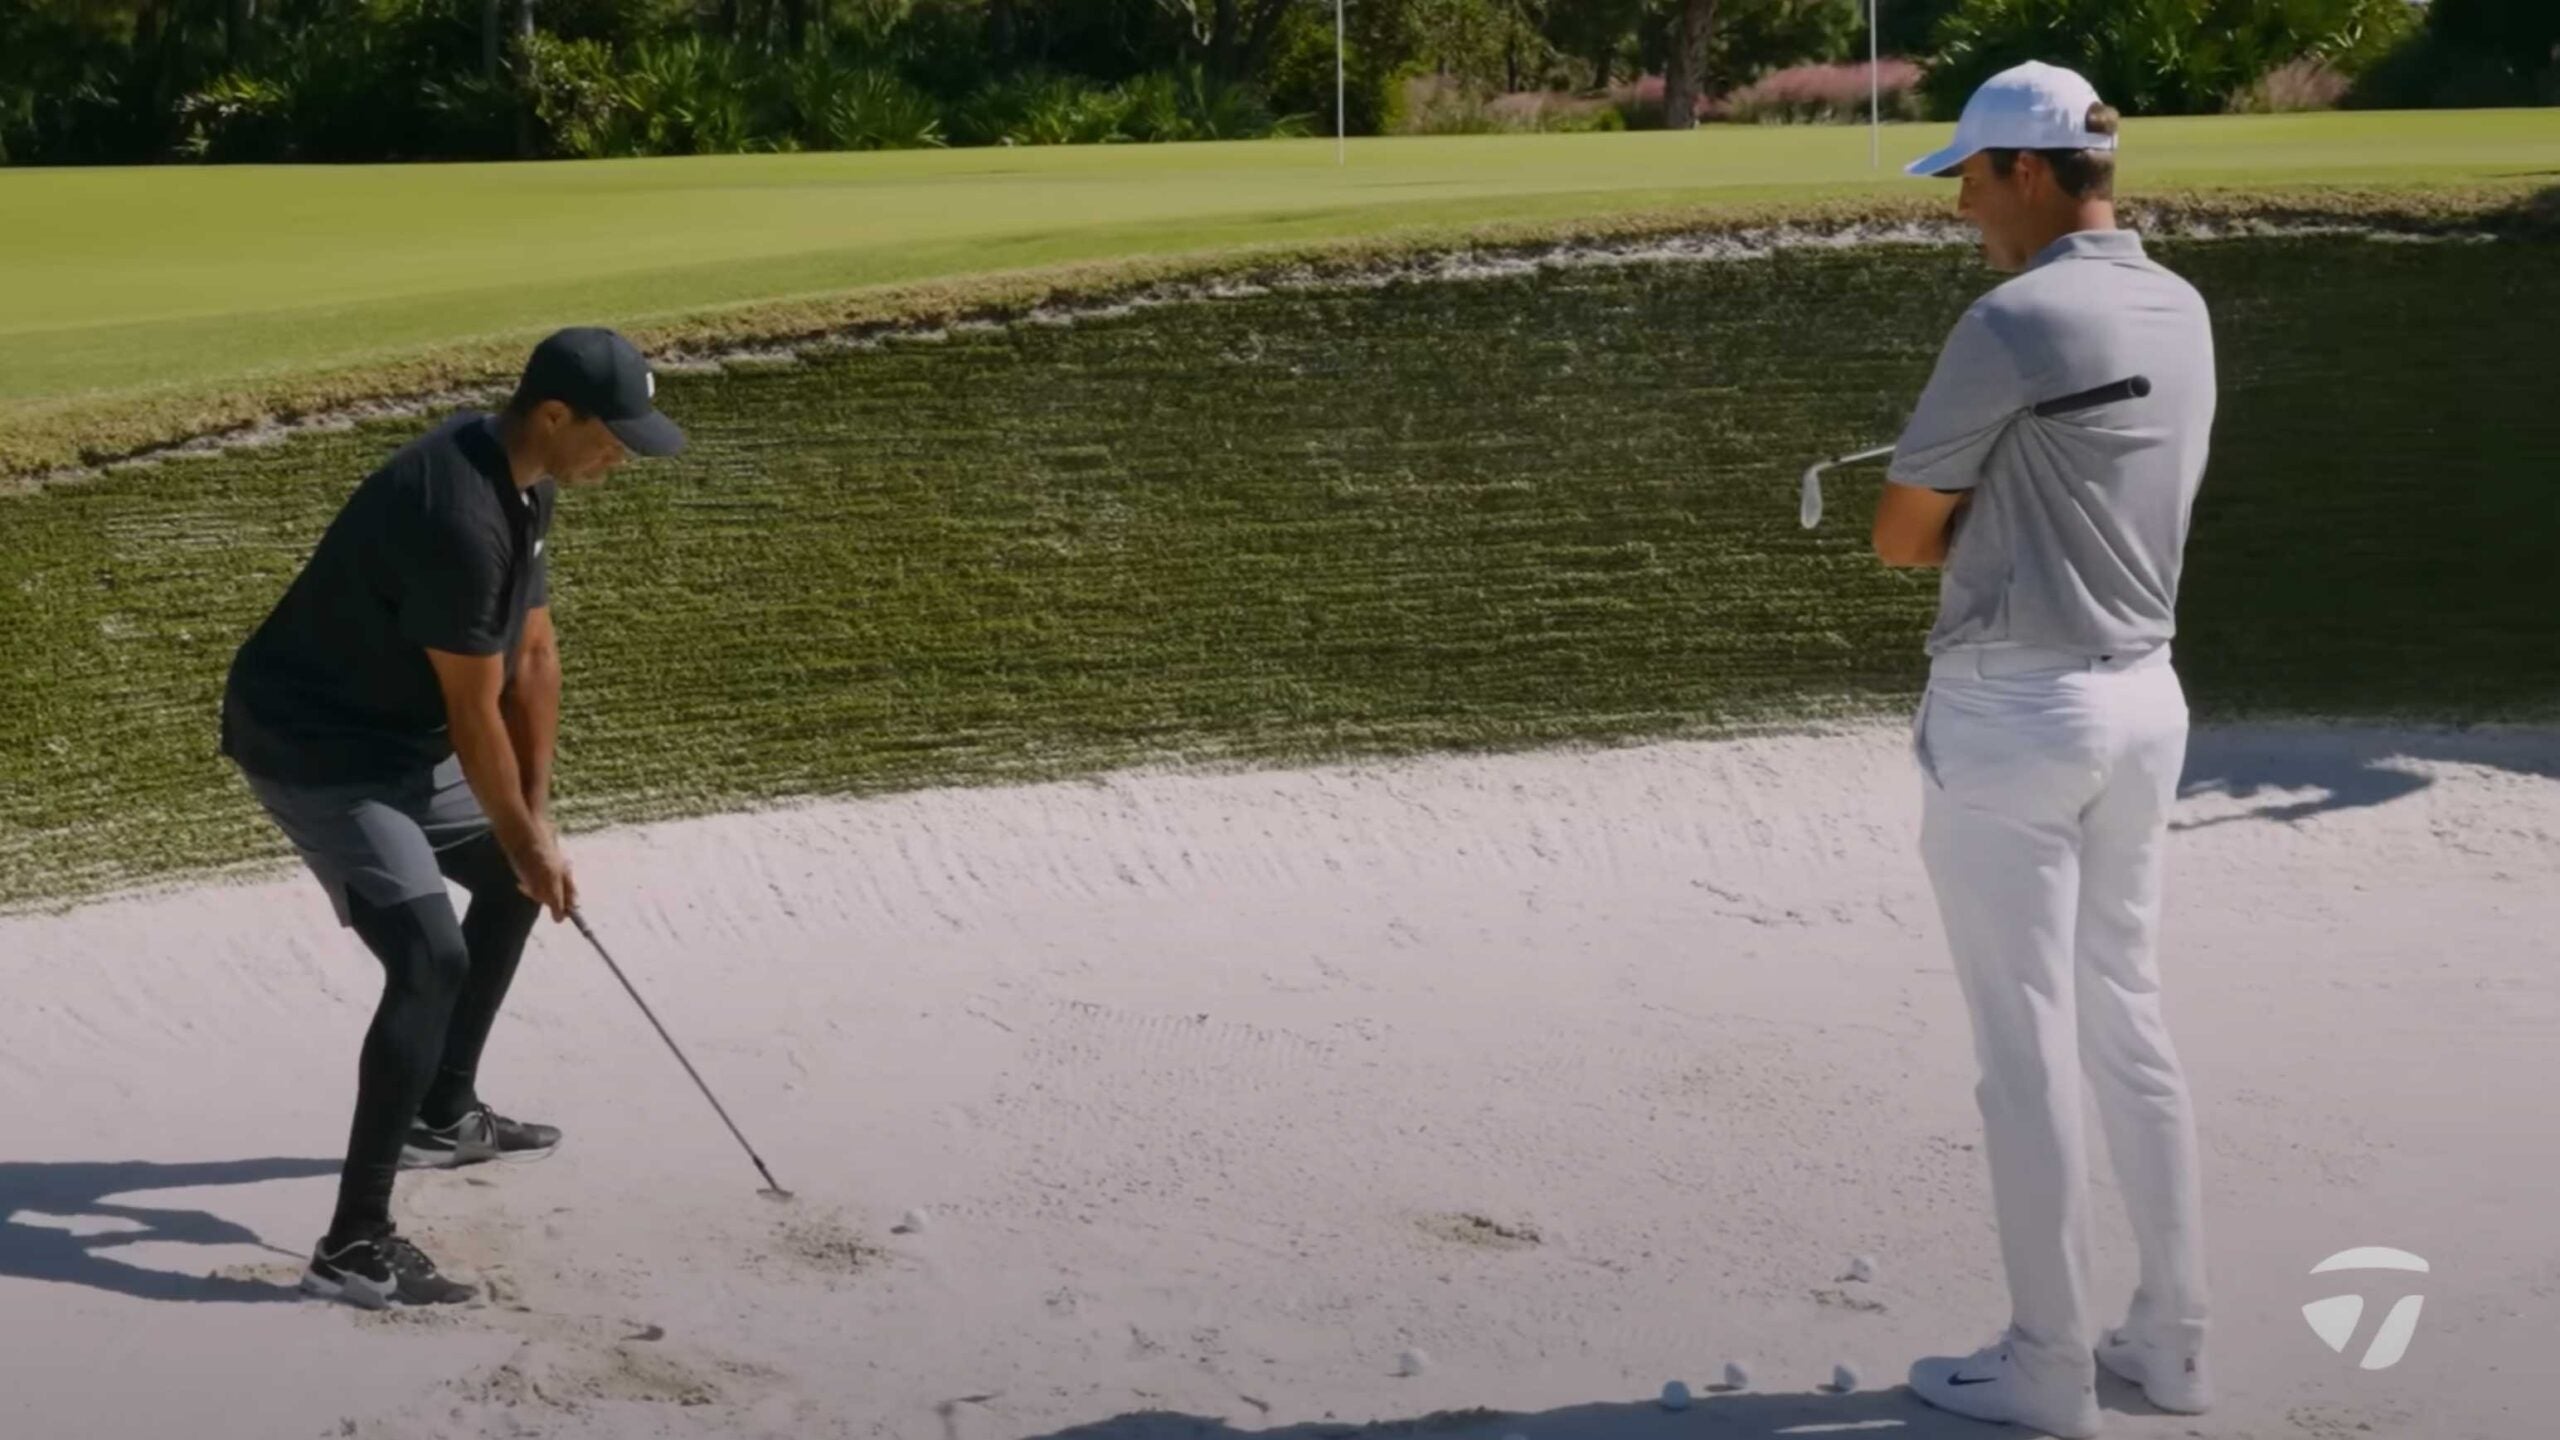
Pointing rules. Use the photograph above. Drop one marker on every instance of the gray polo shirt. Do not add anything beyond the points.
(2077, 525)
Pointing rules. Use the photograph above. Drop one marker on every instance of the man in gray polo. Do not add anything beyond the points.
(2052, 735)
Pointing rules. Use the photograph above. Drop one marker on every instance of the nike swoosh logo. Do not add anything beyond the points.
(1971, 1379)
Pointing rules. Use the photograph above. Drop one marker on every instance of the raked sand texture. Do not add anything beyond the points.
(1223, 1100)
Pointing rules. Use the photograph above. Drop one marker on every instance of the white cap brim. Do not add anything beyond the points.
(1937, 163)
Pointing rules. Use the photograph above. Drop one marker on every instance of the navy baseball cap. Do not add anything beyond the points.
(596, 372)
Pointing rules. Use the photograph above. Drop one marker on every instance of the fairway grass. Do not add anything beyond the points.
(1308, 525)
(138, 307)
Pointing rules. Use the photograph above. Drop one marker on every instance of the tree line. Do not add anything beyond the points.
(131, 81)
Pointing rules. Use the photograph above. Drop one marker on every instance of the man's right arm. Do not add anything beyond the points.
(472, 687)
(453, 606)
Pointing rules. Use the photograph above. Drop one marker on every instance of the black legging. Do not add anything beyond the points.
(443, 981)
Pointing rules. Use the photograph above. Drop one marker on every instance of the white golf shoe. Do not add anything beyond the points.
(1993, 1384)
(2172, 1377)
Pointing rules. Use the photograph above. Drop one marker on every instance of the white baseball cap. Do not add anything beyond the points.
(2034, 106)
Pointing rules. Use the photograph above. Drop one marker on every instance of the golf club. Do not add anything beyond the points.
(2132, 387)
(773, 1189)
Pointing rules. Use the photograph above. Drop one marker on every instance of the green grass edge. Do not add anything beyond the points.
(82, 435)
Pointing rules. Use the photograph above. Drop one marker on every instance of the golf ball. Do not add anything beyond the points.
(1862, 1267)
(1675, 1396)
(1844, 1378)
(1736, 1376)
(1412, 1362)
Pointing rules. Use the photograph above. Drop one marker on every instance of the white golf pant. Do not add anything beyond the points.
(2048, 782)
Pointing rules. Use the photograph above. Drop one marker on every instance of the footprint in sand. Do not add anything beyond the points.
(570, 1364)
(1482, 1232)
(567, 1376)
(1843, 1300)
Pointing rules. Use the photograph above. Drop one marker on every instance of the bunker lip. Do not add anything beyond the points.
(132, 431)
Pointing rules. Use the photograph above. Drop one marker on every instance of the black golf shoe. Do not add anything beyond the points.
(379, 1271)
(481, 1134)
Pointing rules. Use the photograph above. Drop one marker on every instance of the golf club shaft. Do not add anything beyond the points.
(1856, 458)
(2132, 387)
(581, 922)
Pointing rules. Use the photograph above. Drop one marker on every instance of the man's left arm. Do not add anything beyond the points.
(532, 708)
(1915, 527)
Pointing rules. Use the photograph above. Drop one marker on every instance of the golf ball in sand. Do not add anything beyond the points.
(1413, 1362)
(1736, 1376)
(1862, 1267)
(1844, 1378)
(1675, 1396)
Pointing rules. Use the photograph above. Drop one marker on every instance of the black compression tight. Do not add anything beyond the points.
(443, 981)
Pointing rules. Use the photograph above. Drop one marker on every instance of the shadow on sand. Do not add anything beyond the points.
(1894, 1414)
(2344, 768)
(80, 1191)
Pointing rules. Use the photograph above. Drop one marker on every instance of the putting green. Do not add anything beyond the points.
(138, 306)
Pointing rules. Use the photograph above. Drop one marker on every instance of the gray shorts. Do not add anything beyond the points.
(380, 839)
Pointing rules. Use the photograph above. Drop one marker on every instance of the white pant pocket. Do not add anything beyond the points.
(1920, 739)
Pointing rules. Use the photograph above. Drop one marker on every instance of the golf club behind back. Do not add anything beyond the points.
(1809, 505)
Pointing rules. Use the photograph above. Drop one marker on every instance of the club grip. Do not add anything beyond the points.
(2131, 387)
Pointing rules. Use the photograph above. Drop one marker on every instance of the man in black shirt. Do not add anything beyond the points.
(395, 716)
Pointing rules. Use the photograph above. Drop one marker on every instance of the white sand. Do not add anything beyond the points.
(1574, 1073)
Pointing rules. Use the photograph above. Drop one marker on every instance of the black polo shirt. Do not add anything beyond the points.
(439, 550)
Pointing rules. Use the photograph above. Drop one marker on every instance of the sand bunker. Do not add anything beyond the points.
(1222, 1098)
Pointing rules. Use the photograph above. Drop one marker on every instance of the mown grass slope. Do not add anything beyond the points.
(1315, 525)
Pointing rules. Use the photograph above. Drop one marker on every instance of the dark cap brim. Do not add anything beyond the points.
(650, 434)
